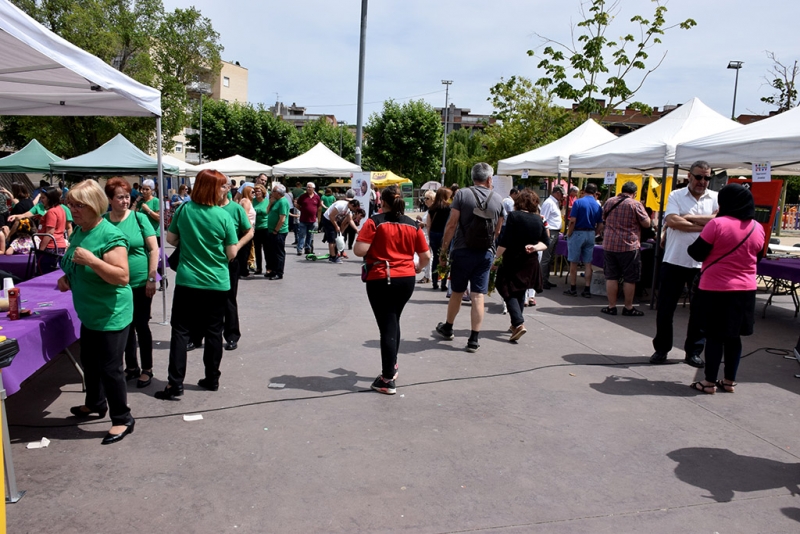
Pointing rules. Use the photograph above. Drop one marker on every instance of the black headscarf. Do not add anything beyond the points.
(736, 201)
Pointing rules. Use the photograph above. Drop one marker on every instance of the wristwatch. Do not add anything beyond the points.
(151, 279)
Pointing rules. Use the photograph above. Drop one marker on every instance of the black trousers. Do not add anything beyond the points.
(670, 289)
(388, 301)
(349, 236)
(231, 325)
(547, 255)
(101, 356)
(140, 328)
(516, 304)
(242, 257)
(260, 239)
(196, 313)
(276, 253)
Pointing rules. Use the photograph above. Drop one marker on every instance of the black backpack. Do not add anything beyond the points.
(479, 233)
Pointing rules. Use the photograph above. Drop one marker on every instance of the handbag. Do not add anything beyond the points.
(174, 259)
(696, 281)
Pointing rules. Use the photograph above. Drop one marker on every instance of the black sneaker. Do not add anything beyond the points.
(382, 386)
(658, 357)
(443, 330)
(472, 346)
(571, 293)
(586, 294)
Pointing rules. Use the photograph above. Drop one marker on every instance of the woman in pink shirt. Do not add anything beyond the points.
(53, 223)
(729, 246)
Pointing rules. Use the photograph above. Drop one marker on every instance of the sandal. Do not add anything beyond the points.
(698, 386)
(144, 383)
(608, 310)
(633, 312)
(727, 388)
(130, 374)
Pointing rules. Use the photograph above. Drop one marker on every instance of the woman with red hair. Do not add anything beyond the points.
(208, 241)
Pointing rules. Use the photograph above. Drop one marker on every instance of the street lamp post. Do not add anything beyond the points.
(446, 112)
(736, 65)
(362, 51)
(200, 88)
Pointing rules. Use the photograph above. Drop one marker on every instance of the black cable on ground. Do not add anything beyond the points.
(768, 350)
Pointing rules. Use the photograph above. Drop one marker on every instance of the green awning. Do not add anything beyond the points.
(118, 156)
(33, 158)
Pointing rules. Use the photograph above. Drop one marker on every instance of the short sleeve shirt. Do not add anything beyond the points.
(309, 207)
(464, 201)
(587, 213)
(338, 207)
(280, 207)
(100, 306)
(240, 220)
(135, 229)
(682, 202)
(57, 220)
(623, 224)
(737, 270)
(204, 232)
(38, 210)
(551, 213)
(153, 205)
(261, 214)
(394, 242)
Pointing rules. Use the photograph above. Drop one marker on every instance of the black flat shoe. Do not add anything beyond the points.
(77, 411)
(130, 374)
(144, 383)
(113, 438)
(169, 393)
(231, 345)
(209, 384)
(695, 361)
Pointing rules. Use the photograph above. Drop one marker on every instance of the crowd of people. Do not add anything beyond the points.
(471, 241)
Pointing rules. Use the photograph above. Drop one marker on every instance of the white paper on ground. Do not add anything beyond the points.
(39, 444)
(193, 417)
(274, 385)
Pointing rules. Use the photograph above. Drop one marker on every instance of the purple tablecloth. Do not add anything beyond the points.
(16, 264)
(783, 269)
(41, 337)
(597, 255)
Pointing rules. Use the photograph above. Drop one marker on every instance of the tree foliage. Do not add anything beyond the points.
(405, 139)
(464, 149)
(784, 83)
(580, 71)
(163, 50)
(321, 131)
(526, 118)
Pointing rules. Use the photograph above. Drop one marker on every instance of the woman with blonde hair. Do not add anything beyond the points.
(208, 241)
(246, 256)
(96, 271)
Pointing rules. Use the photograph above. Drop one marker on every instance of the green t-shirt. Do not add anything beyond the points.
(328, 200)
(138, 255)
(240, 221)
(39, 210)
(99, 305)
(153, 205)
(204, 232)
(297, 191)
(261, 214)
(281, 207)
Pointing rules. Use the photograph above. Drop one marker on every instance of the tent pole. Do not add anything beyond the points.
(161, 206)
(569, 186)
(781, 207)
(659, 229)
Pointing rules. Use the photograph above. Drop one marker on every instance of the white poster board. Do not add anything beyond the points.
(502, 185)
(362, 185)
(611, 178)
(762, 172)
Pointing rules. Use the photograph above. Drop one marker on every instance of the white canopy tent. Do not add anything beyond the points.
(319, 161)
(184, 169)
(45, 75)
(653, 146)
(776, 139)
(553, 159)
(235, 166)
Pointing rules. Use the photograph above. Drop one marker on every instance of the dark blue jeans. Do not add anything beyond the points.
(673, 280)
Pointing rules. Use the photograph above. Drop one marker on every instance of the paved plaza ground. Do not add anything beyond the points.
(569, 430)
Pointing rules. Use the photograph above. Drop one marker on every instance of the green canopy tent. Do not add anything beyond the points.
(33, 158)
(118, 156)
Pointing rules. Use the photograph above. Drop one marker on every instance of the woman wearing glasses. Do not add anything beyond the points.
(142, 264)
(96, 271)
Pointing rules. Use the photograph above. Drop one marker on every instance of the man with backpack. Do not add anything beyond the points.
(476, 217)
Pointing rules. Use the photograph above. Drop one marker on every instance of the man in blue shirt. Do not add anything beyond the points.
(585, 222)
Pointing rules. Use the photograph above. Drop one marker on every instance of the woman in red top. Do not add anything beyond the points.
(54, 223)
(388, 243)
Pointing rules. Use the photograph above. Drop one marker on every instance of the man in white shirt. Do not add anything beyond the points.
(688, 210)
(551, 213)
(331, 227)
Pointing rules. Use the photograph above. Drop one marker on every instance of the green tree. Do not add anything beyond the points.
(526, 119)
(784, 83)
(333, 137)
(618, 77)
(405, 139)
(166, 51)
(464, 149)
(249, 131)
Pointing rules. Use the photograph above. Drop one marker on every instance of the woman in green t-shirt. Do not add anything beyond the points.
(148, 204)
(261, 237)
(142, 264)
(96, 267)
(328, 198)
(208, 241)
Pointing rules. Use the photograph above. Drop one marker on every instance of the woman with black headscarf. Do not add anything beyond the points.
(729, 246)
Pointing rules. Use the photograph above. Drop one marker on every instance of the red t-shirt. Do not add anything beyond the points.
(392, 241)
(57, 219)
(309, 207)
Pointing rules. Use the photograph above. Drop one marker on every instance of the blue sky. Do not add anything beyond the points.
(306, 51)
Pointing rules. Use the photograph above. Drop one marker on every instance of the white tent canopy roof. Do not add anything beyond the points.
(653, 146)
(776, 139)
(234, 166)
(184, 169)
(319, 161)
(43, 74)
(553, 158)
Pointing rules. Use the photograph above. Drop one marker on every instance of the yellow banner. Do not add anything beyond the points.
(654, 194)
(635, 178)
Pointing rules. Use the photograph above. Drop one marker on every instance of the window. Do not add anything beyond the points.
(178, 147)
(226, 81)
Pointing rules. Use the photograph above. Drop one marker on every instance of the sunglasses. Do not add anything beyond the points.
(699, 177)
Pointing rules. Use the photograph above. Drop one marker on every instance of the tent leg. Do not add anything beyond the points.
(161, 205)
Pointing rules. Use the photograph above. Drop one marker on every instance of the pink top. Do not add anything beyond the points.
(736, 271)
